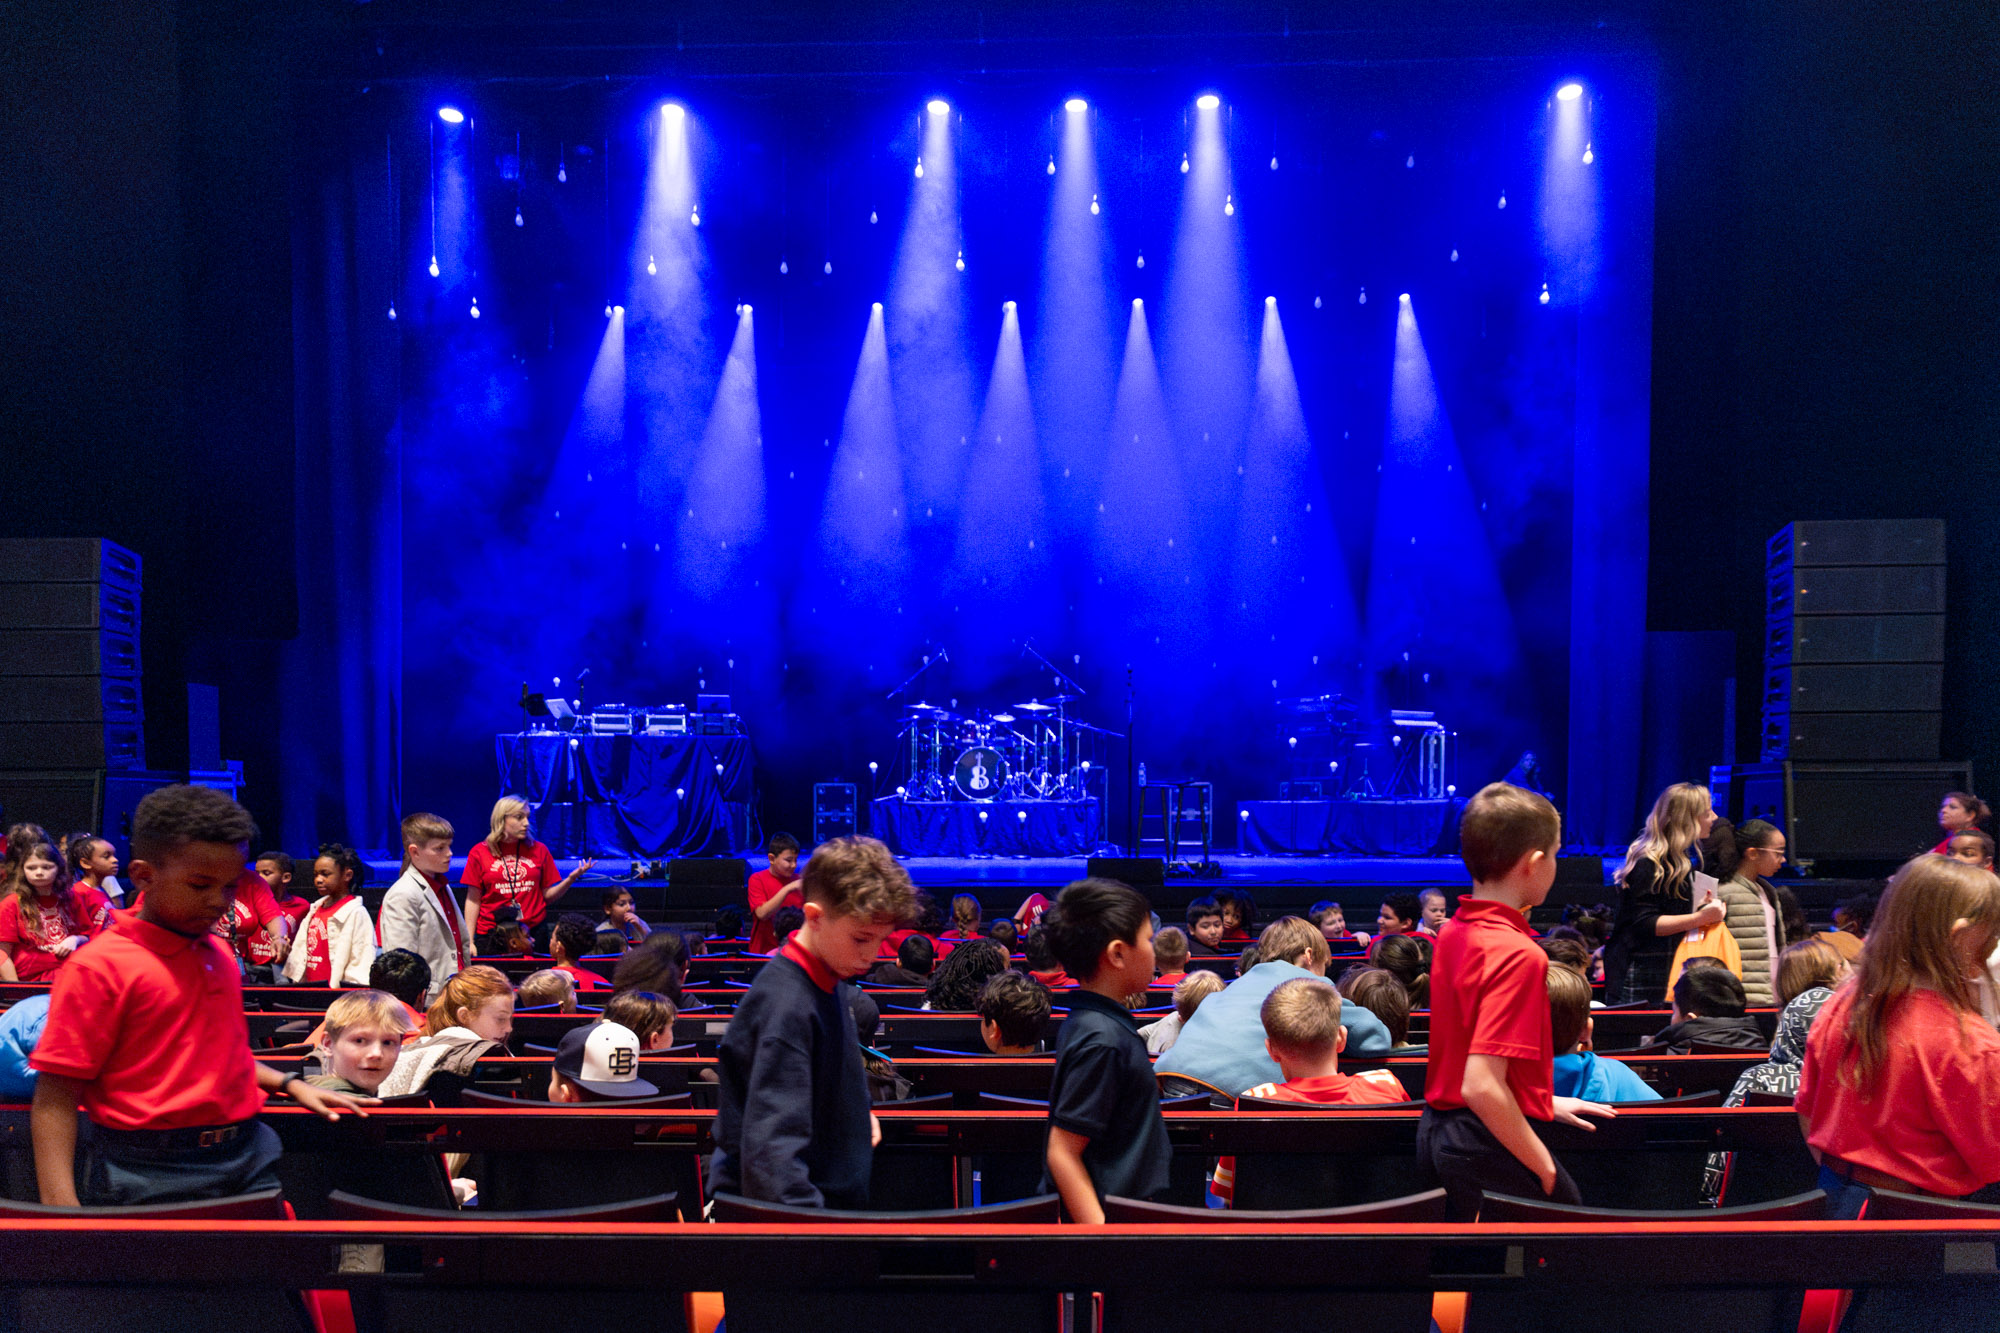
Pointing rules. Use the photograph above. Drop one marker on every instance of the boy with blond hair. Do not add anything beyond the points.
(794, 1125)
(360, 1040)
(1490, 1074)
(1304, 1035)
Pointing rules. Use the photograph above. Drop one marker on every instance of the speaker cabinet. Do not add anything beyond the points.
(1843, 812)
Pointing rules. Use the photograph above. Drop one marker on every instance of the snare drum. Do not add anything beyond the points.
(980, 773)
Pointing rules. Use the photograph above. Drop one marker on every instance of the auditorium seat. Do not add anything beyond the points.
(352, 1208)
(166, 1308)
(1712, 1097)
(1896, 1206)
(1807, 1207)
(937, 1291)
(473, 1097)
(1425, 1207)
(1258, 1302)
(1041, 1209)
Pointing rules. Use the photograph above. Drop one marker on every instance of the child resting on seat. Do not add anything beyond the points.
(1708, 1007)
(539, 990)
(1013, 1011)
(1304, 1034)
(1189, 992)
(598, 1063)
(649, 1016)
(1578, 1071)
(360, 1040)
(1170, 955)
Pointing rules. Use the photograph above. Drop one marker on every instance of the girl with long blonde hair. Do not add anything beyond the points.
(1656, 896)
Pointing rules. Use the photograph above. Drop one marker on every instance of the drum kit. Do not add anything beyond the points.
(1026, 751)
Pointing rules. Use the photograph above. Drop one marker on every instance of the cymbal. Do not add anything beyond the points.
(1062, 698)
(1003, 717)
(925, 710)
(1035, 706)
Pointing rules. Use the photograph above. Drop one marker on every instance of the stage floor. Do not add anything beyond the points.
(1302, 872)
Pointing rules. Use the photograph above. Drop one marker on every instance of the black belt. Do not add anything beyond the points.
(174, 1140)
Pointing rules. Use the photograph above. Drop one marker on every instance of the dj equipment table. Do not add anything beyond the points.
(641, 796)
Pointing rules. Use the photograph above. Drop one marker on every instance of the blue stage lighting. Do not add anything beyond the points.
(1404, 298)
(1076, 106)
(937, 106)
(1208, 101)
(672, 111)
(451, 115)
(1569, 92)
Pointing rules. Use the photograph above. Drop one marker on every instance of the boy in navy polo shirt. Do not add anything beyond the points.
(1106, 1136)
(1491, 1063)
(794, 1124)
(146, 1031)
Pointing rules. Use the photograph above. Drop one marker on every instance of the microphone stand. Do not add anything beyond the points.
(911, 679)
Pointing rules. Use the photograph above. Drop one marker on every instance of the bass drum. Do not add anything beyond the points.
(979, 774)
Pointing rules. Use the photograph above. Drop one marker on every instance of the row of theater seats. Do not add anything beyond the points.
(243, 1264)
(532, 1155)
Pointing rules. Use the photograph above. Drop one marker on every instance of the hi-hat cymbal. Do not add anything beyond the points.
(1035, 706)
(925, 710)
(1003, 717)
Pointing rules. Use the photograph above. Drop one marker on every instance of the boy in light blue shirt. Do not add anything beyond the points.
(1578, 1071)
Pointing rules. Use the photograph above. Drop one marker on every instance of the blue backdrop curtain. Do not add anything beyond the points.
(340, 692)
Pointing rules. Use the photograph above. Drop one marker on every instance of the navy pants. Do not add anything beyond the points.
(118, 1169)
(1457, 1151)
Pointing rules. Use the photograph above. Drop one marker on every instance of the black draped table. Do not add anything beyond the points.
(638, 796)
(1406, 827)
(987, 828)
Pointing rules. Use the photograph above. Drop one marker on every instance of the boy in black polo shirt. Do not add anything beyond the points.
(1106, 1136)
(794, 1125)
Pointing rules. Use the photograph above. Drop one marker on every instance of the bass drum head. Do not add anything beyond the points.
(979, 774)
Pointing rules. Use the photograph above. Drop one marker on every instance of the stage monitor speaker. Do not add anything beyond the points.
(61, 802)
(1883, 812)
(1811, 640)
(1857, 590)
(1887, 687)
(1144, 873)
(1863, 541)
(1818, 737)
(707, 882)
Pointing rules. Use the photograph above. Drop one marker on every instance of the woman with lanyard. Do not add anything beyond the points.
(511, 869)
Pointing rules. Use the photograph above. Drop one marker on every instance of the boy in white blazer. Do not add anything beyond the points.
(419, 912)
(336, 942)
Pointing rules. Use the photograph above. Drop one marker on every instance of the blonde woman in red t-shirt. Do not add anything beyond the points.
(1901, 1083)
(511, 869)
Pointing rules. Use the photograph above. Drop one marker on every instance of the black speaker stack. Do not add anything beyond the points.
(1853, 691)
(71, 709)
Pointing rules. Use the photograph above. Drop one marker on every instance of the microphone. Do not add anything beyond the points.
(943, 656)
(581, 674)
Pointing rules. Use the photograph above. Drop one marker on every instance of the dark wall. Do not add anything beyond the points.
(1826, 319)
(1825, 328)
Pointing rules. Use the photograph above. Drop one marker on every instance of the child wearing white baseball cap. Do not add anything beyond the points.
(598, 1063)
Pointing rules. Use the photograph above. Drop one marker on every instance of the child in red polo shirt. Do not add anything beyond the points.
(146, 1032)
(1900, 1088)
(1491, 1068)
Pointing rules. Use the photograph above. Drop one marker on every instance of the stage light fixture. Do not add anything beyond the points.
(392, 312)
(1229, 206)
(1052, 164)
(1270, 300)
(1093, 205)
(1404, 297)
(827, 268)
(1544, 297)
(652, 267)
(694, 216)
(1503, 198)
(876, 308)
(1007, 307)
(1184, 164)
(1208, 101)
(961, 261)
(1138, 303)
(608, 308)
(673, 111)
(1142, 261)
(1274, 162)
(920, 168)
(451, 115)
(519, 221)
(1076, 106)
(475, 305)
(1569, 92)
(937, 106)
(1588, 156)
(783, 267)
(1317, 303)
(434, 266)
(1364, 297)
